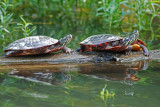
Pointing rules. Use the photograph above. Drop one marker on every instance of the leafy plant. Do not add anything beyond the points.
(5, 18)
(144, 11)
(5, 21)
(105, 94)
(111, 12)
(25, 27)
(140, 12)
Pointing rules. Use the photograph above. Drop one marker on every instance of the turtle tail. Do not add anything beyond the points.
(8, 53)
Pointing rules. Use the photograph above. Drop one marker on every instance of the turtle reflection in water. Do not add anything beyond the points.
(56, 78)
(123, 72)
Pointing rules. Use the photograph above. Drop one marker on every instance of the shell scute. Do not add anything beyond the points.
(101, 42)
(99, 39)
(32, 42)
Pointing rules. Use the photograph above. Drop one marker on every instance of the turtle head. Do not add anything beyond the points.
(65, 40)
(131, 38)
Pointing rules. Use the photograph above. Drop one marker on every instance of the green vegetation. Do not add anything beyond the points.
(82, 18)
(25, 27)
(140, 13)
(5, 21)
(105, 94)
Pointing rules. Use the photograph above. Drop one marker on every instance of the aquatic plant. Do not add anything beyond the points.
(105, 94)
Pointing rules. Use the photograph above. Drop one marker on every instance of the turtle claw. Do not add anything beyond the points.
(116, 59)
(147, 54)
(128, 52)
(67, 50)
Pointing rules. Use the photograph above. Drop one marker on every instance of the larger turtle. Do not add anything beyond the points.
(109, 42)
(37, 45)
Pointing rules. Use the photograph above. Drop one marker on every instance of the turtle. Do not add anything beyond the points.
(35, 45)
(109, 42)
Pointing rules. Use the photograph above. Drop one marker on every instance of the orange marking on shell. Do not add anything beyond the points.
(88, 48)
(106, 43)
(118, 48)
(94, 46)
(141, 42)
(101, 45)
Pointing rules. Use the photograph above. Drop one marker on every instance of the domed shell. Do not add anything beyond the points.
(98, 39)
(31, 43)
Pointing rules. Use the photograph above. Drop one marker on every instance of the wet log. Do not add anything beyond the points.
(89, 57)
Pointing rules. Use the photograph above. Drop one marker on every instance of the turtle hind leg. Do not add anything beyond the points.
(78, 49)
(8, 53)
(67, 50)
(11, 53)
(4, 55)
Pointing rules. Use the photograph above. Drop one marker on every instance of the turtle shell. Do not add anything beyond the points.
(103, 42)
(32, 45)
(99, 39)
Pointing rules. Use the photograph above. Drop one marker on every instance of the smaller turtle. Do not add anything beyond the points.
(34, 45)
(109, 42)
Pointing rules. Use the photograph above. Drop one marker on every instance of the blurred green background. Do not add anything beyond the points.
(81, 18)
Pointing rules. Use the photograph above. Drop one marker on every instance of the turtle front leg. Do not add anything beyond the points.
(134, 47)
(145, 50)
(67, 50)
(78, 49)
(129, 50)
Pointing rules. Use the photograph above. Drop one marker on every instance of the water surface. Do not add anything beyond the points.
(79, 85)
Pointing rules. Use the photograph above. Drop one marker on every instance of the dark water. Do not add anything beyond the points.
(135, 84)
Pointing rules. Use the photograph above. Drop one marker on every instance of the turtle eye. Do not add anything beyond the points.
(135, 32)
